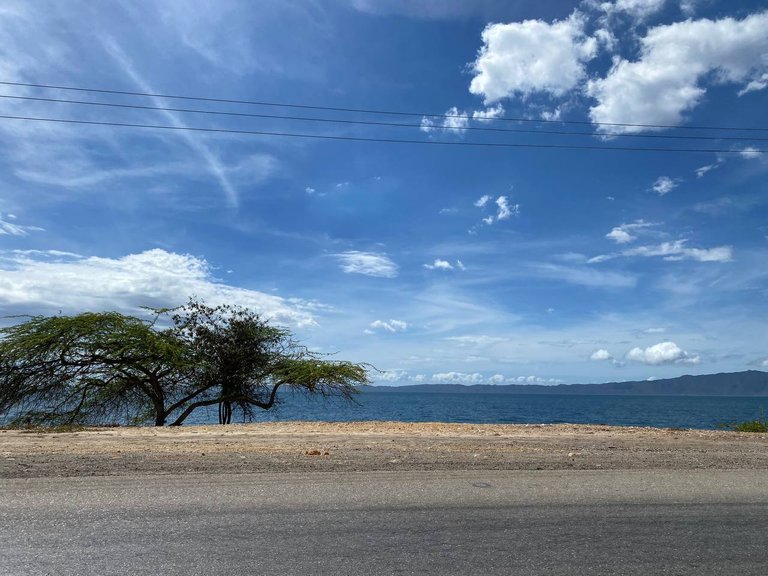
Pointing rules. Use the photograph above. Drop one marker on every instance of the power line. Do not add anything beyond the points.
(381, 140)
(371, 122)
(371, 111)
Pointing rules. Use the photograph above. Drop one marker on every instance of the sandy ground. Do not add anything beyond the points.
(369, 446)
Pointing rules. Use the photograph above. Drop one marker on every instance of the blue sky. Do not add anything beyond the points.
(434, 262)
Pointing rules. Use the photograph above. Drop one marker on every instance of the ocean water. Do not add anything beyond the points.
(703, 412)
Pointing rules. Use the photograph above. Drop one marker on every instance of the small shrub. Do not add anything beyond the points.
(751, 426)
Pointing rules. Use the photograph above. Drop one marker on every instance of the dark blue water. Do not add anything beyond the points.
(705, 412)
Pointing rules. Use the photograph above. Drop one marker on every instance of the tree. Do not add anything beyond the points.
(96, 367)
(91, 367)
(241, 362)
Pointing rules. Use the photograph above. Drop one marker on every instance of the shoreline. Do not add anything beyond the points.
(307, 446)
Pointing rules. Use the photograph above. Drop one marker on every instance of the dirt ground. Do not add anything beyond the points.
(369, 446)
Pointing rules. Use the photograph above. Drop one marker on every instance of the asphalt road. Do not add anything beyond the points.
(511, 523)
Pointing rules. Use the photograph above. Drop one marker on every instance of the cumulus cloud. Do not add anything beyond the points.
(367, 263)
(601, 354)
(664, 185)
(750, 153)
(457, 378)
(662, 353)
(42, 281)
(667, 80)
(490, 113)
(504, 210)
(624, 234)
(387, 326)
(522, 58)
(456, 121)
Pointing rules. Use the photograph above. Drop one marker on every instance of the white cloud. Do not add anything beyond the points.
(57, 280)
(391, 376)
(639, 9)
(677, 251)
(454, 122)
(12, 229)
(751, 153)
(367, 263)
(200, 145)
(310, 190)
(457, 378)
(489, 113)
(666, 81)
(552, 116)
(505, 210)
(601, 354)
(521, 58)
(476, 340)
(388, 326)
(672, 251)
(757, 84)
(623, 234)
(440, 264)
(662, 353)
(620, 236)
(654, 330)
(702, 170)
(664, 185)
(483, 200)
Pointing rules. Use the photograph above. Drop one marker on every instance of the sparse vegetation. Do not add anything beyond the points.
(760, 424)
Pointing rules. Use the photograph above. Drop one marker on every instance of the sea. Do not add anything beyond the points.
(697, 412)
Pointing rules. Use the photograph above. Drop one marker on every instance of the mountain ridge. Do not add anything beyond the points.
(746, 383)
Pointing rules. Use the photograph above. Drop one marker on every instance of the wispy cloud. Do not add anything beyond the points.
(390, 326)
(751, 153)
(664, 185)
(625, 233)
(195, 142)
(367, 263)
(440, 264)
(13, 229)
(672, 251)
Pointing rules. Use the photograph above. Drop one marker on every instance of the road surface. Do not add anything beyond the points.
(485, 523)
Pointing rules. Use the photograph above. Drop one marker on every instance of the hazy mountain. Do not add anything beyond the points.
(749, 383)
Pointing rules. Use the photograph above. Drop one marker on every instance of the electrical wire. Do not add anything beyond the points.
(381, 140)
(372, 111)
(373, 123)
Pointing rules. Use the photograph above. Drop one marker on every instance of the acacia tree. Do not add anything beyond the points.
(91, 367)
(241, 361)
(98, 366)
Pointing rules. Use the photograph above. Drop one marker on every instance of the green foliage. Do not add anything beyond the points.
(107, 367)
(760, 424)
(88, 368)
(241, 361)
(751, 426)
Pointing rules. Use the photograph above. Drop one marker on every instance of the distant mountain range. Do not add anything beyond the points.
(749, 383)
